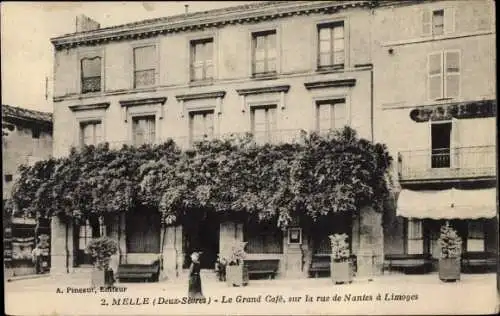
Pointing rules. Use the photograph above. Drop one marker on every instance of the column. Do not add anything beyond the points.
(230, 233)
(292, 257)
(172, 252)
(117, 236)
(370, 254)
(61, 246)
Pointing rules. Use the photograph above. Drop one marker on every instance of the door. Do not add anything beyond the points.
(202, 235)
(84, 233)
(143, 231)
(441, 141)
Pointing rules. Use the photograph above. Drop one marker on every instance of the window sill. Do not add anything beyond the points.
(265, 76)
(330, 69)
(198, 83)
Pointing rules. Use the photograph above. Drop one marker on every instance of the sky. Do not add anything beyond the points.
(26, 29)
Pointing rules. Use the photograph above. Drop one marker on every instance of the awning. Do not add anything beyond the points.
(447, 204)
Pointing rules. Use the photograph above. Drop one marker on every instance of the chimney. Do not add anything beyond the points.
(85, 24)
(186, 9)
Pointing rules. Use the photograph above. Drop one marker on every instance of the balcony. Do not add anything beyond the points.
(447, 164)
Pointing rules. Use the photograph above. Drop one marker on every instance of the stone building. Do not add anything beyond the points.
(270, 68)
(435, 87)
(26, 138)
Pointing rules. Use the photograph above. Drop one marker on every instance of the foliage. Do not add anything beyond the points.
(101, 249)
(340, 247)
(235, 176)
(449, 242)
(237, 255)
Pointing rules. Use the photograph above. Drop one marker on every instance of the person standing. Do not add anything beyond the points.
(36, 257)
(194, 289)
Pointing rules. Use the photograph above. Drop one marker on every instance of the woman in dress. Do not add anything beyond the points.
(194, 276)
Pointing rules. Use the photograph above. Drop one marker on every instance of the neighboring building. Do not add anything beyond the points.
(269, 68)
(26, 138)
(435, 98)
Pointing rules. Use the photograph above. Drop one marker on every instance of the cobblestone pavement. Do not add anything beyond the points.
(388, 294)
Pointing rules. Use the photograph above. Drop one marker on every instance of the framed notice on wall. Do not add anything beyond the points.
(294, 235)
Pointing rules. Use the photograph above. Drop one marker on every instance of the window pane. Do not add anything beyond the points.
(271, 65)
(259, 66)
(415, 246)
(260, 55)
(475, 244)
(144, 130)
(414, 229)
(91, 67)
(435, 87)
(437, 22)
(435, 64)
(271, 53)
(97, 133)
(324, 34)
(271, 41)
(452, 62)
(452, 86)
(260, 42)
(209, 50)
(324, 46)
(338, 58)
(476, 229)
(338, 45)
(339, 115)
(209, 124)
(145, 58)
(209, 71)
(259, 120)
(338, 32)
(324, 117)
(324, 59)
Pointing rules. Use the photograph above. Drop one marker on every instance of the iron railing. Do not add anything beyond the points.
(447, 163)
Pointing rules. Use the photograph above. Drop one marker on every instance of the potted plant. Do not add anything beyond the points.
(236, 274)
(341, 267)
(101, 249)
(451, 249)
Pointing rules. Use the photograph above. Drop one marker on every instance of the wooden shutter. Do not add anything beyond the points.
(339, 115)
(426, 18)
(435, 76)
(452, 74)
(449, 20)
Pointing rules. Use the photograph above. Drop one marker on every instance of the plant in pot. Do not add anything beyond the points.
(236, 273)
(341, 266)
(451, 250)
(101, 249)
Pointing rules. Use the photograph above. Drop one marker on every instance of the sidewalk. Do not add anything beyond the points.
(399, 294)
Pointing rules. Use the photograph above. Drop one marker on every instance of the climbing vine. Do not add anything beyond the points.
(316, 176)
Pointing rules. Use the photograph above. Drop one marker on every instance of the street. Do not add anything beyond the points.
(388, 294)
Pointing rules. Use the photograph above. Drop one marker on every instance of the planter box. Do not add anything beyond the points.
(341, 272)
(449, 269)
(236, 275)
(100, 278)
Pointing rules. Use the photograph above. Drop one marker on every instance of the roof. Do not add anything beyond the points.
(248, 13)
(25, 114)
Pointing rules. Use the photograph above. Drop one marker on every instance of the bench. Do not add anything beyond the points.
(262, 266)
(139, 272)
(408, 262)
(320, 264)
(479, 261)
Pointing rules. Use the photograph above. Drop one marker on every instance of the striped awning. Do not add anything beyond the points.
(448, 204)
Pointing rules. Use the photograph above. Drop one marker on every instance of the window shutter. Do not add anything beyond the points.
(449, 20)
(426, 22)
(435, 76)
(455, 143)
(452, 72)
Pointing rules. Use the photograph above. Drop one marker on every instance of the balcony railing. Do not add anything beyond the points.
(447, 163)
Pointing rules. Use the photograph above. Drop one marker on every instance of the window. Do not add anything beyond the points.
(264, 123)
(415, 237)
(91, 74)
(90, 229)
(441, 141)
(8, 178)
(144, 66)
(331, 52)
(202, 59)
(438, 21)
(91, 133)
(264, 53)
(444, 75)
(263, 238)
(35, 132)
(144, 130)
(201, 125)
(475, 238)
(330, 115)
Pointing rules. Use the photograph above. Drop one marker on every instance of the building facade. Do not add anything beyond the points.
(26, 138)
(270, 68)
(435, 87)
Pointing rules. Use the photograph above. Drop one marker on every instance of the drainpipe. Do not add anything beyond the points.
(372, 105)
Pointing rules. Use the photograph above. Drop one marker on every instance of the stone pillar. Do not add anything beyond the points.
(307, 252)
(292, 257)
(61, 246)
(230, 233)
(116, 235)
(370, 254)
(172, 252)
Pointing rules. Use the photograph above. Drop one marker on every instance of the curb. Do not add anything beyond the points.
(27, 277)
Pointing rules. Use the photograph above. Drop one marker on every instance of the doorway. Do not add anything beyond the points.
(201, 234)
(441, 141)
